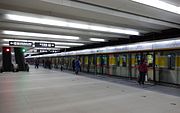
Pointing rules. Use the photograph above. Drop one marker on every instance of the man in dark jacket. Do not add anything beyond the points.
(142, 72)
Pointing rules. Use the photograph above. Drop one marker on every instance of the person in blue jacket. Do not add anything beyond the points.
(77, 66)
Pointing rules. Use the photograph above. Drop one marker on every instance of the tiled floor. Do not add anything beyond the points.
(50, 91)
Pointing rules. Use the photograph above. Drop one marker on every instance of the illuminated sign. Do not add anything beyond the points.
(19, 43)
(46, 45)
(51, 51)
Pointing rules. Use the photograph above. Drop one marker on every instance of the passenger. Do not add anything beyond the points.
(36, 63)
(61, 63)
(26, 66)
(142, 72)
(46, 64)
(77, 66)
(49, 64)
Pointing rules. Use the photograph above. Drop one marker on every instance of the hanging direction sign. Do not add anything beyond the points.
(20, 43)
(45, 45)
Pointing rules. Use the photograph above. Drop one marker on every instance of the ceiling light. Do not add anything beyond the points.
(161, 5)
(62, 47)
(53, 48)
(70, 23)
(5, 44)
(45, 48)
(70, 44)
(19, 33)
(97, 39)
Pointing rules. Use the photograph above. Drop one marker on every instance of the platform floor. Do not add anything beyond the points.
(51, 91)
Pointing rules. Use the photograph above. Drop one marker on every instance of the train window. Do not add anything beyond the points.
(112, 59)
(98, 60)
(91, 60)
(150, 60)
(86, 60)
(171, 61)
(118, 60)
(124, 60)
(82, 60)
(104, 60)
(138, 59)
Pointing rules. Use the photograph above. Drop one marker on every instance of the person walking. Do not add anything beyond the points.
(77, 66)
(142, 72)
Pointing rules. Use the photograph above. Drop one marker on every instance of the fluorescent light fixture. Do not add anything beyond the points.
(62, 47)
(20, 33)
(52, 48)
(56, 43)
(70, 23)
(5, 44)
(45, 48)
(97, 39)
(161, 5)
(6, 40)
(70, 44)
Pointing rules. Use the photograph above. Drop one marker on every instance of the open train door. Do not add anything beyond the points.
(136, 59)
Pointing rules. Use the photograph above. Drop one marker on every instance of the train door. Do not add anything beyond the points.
(112, 64)
(81, 62)
(102, 64)
(117, 66)
(59, 62)
(136, 59)
(65, 62)
(124, 65)
(91, 64)
(178, 66)
(98, 64)
(150, 63)
(105, 64)
(86, 60)
(167, 66)
(56, 63)
(70, 63)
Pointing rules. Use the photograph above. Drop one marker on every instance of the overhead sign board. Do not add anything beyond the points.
(45, 45)
(20, 43)
(44, 50)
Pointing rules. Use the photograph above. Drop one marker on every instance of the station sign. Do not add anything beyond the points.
(51, 51)
(45, 45)
(20, 43)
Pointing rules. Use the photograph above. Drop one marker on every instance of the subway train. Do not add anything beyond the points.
(162, 57)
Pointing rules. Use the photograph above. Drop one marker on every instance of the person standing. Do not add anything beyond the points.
(36, 63)
(49, 64)
(61, 64)
(142, 72)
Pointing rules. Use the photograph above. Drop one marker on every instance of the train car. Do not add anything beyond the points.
(162, 57)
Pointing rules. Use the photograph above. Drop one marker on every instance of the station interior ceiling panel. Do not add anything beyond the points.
(82, 24)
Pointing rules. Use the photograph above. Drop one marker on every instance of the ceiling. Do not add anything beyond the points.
(123, 14)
